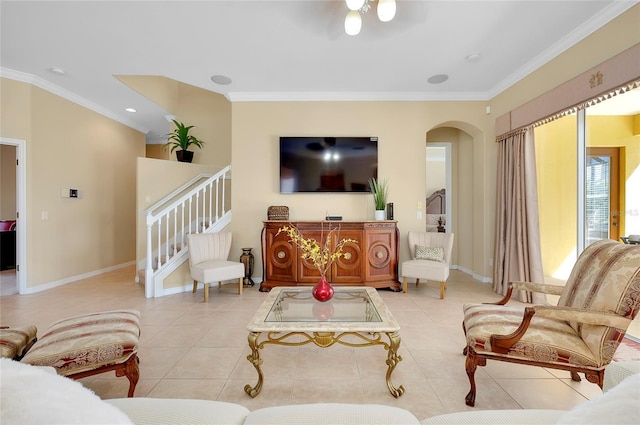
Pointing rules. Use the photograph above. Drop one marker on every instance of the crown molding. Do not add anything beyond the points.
(354, 96)
(70, 96)
(599, 20)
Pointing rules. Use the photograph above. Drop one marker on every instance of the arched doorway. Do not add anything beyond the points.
(465, 193)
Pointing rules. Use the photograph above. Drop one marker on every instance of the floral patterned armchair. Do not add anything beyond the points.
(580, 334)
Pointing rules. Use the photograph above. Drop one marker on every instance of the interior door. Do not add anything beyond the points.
(603, 200)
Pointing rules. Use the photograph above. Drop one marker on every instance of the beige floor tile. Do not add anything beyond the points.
(499, 370)
(203, 389)
(206, 363)
(541, 393)
(584, 387)
(328, 391)
(156, 362)
(276, 391)
(177, 336)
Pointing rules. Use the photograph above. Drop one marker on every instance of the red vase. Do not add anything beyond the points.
(323, 291)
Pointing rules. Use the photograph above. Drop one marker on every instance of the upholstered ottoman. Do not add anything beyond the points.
(14, 342)
(86, 345)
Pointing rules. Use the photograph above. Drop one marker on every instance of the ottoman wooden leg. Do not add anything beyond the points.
(131, 370)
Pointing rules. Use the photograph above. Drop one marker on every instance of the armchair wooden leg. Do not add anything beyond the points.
(195, 286)
(443, 286)
(206, 292)
(575, 377)
(417, 282)
(404, 285)
(471, 364)
(240, 286)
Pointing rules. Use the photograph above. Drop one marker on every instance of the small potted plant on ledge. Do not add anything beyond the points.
(379, 190)
(180, 139)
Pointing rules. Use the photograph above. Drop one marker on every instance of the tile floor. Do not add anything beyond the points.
(189, 349)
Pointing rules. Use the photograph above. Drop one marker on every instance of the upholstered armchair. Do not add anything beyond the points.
(208, 260)
(580, 334)
(430, 258)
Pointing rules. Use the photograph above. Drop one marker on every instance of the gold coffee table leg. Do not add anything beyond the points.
(392, 360)
(256, 361)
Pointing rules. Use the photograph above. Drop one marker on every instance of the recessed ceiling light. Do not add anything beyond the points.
(221, 79)
(473, 57)
(438, 78)
(58, 71)
(130, 109)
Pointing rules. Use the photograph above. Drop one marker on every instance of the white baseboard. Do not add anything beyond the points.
(55, 284)
(476, 276)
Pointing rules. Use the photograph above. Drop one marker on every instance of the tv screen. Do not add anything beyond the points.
(327, 164)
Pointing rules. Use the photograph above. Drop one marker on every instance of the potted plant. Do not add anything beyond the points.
(180, 139)
(379, 190)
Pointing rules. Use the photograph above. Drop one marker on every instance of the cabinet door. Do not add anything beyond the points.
(349, 268)
(307, 272)
(381, 262)
(281, 262)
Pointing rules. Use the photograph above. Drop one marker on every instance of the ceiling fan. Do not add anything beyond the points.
(330, 17)
(386, 11)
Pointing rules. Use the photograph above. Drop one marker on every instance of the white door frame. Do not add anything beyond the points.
(21, 206)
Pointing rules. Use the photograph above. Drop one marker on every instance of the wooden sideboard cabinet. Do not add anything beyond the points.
(372, 261)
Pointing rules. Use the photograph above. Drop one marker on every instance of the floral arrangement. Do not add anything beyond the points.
(322, 256)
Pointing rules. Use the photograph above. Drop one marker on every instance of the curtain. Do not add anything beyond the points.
(517, 255)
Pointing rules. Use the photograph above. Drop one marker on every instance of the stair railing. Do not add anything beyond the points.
(192, 208)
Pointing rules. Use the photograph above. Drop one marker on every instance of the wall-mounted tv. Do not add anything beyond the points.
(327, 164)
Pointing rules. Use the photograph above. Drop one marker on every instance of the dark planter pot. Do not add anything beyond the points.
(184, 156)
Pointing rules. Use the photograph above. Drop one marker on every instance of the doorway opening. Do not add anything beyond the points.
(13, 210)
(438, 187)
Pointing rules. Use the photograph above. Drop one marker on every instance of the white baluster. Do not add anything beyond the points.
(148, 274)
(197, 211)
(159, 263)
(182, 238)
(210, 189)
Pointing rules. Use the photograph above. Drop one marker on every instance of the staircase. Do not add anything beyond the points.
(198, 206)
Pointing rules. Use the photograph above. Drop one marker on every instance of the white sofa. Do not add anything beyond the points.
(34, 395)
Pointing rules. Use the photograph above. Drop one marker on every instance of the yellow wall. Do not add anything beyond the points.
(556, 159)
(557, 186)
(156, 151)
(69, 146)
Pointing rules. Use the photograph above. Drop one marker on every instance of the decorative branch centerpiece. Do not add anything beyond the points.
(321, 255)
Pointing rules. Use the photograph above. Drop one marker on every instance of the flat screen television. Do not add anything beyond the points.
(327, 164)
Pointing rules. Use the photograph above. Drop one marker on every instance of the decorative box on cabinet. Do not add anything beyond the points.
(372, 261)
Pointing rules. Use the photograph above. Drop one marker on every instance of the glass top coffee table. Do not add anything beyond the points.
(355, 317)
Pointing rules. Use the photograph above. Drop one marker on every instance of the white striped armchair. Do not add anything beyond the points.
(580, 334)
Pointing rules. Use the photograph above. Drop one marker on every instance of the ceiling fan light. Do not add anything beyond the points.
(386, 10)
(354, 4)
(353, 23)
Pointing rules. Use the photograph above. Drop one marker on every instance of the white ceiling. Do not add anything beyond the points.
(286, 50)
